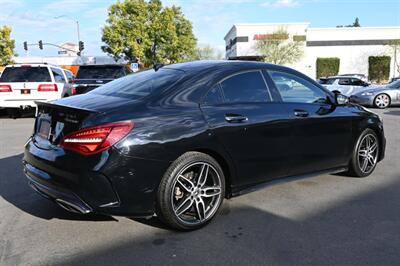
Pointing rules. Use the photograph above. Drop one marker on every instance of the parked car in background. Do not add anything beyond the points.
(70, 81)
(23, 84)
(360, 76)
(177, 140)
(394, 79)
(379, 96)
(90, 77)
(347, 85)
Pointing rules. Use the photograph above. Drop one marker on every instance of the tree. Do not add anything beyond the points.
(276, 48)
(207, 52)
(356, 23)
(145, 31)
(7, 46)
(395, 47)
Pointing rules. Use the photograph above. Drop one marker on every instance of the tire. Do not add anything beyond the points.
(382, 101)
(190, 192)
(361, 151)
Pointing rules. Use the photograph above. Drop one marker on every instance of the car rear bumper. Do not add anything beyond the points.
(108, 183)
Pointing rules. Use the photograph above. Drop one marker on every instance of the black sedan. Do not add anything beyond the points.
(177, 140)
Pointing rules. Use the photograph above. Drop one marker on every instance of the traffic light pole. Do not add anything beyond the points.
(51, 44)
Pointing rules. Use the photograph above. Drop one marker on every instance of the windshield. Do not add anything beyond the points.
(100, 72)
(394, 84)
(140, 84)
(25, 74)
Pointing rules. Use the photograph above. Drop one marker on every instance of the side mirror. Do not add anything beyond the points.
(340, 98)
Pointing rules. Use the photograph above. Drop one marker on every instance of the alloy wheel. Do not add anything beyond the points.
(367, 153)
(196, 193)
(382, 101)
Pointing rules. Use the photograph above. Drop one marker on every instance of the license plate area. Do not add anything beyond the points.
(25, 91)
(44, 128)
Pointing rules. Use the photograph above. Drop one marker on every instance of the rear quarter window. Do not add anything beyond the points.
(26, 74)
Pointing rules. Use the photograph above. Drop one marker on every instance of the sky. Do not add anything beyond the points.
(55, 21)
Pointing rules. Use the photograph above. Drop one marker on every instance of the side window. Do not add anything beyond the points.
(70, 77)
(356, 82)
(245, 87)
(344, 81)
(213, 96)
(295, 89)
(58, 75)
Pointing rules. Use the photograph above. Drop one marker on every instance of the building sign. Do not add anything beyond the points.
(272, 36)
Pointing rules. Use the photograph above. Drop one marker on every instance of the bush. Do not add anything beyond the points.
(327, 66)
(378, 68)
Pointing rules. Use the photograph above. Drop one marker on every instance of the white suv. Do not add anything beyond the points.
(23, 84)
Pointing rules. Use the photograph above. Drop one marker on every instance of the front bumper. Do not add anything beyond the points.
(107, 183)
(362, 100)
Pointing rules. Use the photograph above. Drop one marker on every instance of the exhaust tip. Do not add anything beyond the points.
(71, 207)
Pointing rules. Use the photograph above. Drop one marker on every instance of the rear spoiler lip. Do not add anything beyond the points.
(66, 107)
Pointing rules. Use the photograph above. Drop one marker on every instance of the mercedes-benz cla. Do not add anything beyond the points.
(175, 141)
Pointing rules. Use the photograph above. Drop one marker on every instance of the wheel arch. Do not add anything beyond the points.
(226, 168)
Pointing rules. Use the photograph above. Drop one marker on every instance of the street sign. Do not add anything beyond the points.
(62, 52)
(135, 67)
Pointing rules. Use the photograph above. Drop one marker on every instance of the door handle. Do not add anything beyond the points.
(235, 118)
(300, 113)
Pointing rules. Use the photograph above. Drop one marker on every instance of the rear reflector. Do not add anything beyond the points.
(5, 88)
(93, 140)
(47, 87)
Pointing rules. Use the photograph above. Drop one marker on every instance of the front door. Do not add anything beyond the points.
(320, 129)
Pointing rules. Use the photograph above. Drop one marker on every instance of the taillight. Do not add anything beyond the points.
(73, 91)
(93, 140)
(5, 88)
(47, 87)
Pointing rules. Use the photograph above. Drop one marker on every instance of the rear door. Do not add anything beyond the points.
(320, 130)
(252, 128)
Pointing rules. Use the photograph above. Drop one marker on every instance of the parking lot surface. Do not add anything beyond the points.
(323, 220)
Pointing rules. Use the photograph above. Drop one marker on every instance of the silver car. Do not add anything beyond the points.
(347, 85)
(378, 96)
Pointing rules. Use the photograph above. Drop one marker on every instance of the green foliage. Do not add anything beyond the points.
(328, 66)
(207, 52)
(379, 68)
(279, 50)
(395, 47)
(134, 27)
(356, 23)
(299, 38)
(7, 46)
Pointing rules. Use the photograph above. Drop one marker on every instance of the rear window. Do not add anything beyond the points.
(25, 74)
(100, 72)
(140, 84)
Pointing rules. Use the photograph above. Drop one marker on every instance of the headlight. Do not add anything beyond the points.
(367, 94)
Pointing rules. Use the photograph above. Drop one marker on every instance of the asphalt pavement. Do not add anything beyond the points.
(322, 220)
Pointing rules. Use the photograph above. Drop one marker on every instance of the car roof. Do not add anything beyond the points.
(33, 65)
(202, 65)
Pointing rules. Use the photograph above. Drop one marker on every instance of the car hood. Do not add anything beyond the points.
(373, 89)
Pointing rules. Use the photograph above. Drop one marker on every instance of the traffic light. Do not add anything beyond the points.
(40, 45)
(25, 46)
(81, 46)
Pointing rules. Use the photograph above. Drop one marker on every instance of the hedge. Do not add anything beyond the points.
(328, 66)
(378, 68)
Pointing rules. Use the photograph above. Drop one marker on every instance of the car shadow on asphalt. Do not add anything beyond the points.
(14, 189)
(393, 112)
(354, 231)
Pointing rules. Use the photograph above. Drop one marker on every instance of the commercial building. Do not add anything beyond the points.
(352, 45)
